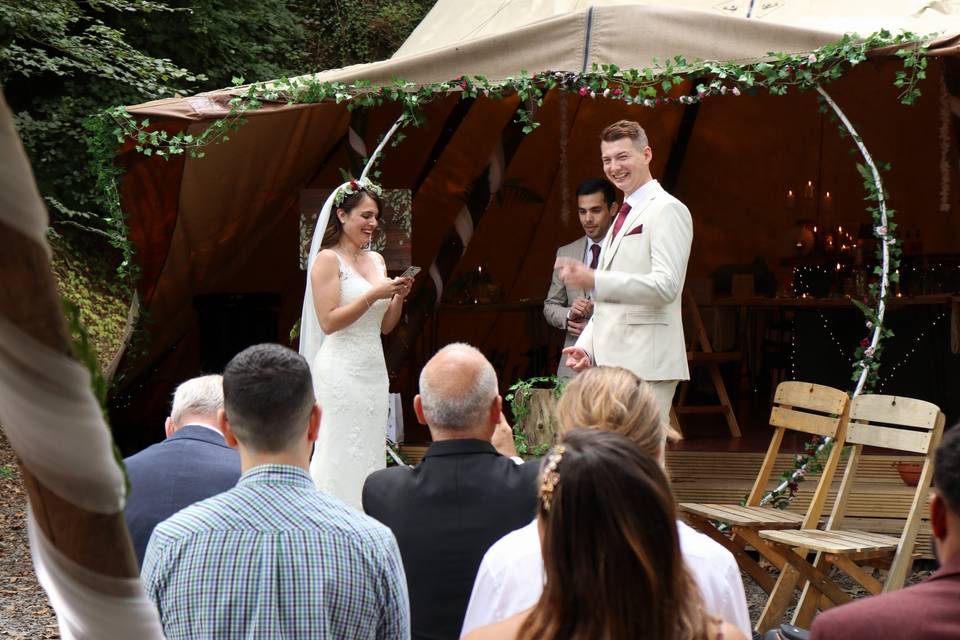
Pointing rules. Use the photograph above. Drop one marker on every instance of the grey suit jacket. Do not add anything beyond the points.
(560, 297)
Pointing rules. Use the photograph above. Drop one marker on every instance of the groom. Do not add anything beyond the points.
(636, 322)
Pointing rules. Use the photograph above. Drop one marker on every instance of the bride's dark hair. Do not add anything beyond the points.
(610, 547)
(335, 228)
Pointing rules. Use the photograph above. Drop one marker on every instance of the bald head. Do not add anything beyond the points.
(458, 390)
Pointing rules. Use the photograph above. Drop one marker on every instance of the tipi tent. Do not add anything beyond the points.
(484, 195)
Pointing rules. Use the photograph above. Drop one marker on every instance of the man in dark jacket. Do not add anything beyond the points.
(463, 496)
(192, 464)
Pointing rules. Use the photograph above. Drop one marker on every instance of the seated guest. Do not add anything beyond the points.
(569, 308)
(192, 464)
(930, 609)
(611, 553)
(462, 497)
(510, 578)
(274, 557)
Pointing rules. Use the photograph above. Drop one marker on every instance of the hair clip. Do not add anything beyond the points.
(550, 476)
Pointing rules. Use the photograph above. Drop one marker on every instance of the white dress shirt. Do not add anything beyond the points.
(510, 578)
(636, 198)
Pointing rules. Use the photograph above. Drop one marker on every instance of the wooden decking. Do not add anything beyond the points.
(879, 503)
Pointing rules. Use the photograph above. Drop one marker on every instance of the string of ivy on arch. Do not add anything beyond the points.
(777, 74)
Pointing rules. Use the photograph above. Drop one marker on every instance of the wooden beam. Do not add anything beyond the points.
(678, 150)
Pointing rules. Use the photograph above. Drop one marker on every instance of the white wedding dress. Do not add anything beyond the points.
(351, 385)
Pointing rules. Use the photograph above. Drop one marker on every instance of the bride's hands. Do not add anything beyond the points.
(390, 287)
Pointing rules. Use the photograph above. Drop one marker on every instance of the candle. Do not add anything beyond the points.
(827, 200)
(790, 199)
(808, 190)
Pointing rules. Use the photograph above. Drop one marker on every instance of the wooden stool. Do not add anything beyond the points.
(700, 353)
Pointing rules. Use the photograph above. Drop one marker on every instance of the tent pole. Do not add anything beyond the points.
(679, 149)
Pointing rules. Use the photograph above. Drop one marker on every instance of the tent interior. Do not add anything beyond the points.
(228, 225)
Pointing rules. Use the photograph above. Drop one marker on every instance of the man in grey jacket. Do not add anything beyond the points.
(568, 308)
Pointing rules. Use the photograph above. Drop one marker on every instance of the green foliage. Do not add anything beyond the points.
(352, 31)
(68, 38)
(63, 61)
(86, 353)
(84, 273)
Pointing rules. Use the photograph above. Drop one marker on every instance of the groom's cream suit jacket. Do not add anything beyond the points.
(637, 323)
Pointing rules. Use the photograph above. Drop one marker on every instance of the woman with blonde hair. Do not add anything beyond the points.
(511, 576)
(610, 550)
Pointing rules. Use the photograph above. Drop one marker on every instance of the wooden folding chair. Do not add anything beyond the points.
(700, 353)
(798, 406)
(889, 422)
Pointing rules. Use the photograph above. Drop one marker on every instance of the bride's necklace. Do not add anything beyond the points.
(354, 256)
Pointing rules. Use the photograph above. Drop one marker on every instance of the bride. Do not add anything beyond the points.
(348, 303)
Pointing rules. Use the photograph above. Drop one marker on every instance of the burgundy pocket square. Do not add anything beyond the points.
(635, 230)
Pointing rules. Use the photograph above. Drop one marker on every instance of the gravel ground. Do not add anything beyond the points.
(757, 597)
(24, 609)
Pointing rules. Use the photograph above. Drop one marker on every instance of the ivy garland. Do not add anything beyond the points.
(649, 87)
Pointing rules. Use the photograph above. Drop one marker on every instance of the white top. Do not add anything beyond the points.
(510, 578)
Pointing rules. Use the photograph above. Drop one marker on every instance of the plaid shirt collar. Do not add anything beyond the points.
(275, 474)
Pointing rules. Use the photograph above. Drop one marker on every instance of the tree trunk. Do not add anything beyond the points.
(540, 423)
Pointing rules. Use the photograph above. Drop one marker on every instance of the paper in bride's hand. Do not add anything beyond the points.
(411, 272)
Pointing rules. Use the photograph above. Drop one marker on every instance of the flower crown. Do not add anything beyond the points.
(354, 186)
(550, 476)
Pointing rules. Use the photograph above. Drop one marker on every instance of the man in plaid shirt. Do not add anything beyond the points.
(274, 557)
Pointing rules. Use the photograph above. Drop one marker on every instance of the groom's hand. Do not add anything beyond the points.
(577, 359)
(574, 273)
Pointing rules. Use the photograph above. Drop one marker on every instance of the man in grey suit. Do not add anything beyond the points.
(567, 307)
(192, 464)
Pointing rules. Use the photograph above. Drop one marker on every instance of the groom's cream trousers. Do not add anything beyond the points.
(663, 390)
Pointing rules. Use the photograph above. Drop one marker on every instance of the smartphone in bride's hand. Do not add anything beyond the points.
(411, 272)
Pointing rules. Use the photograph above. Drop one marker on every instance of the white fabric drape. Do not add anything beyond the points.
(54, 423)
(88, 604)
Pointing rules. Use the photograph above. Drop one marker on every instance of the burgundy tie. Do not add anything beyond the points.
(594, 256)
(624, 210)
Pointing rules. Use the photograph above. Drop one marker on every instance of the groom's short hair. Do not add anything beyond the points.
(626, 129)
(267, 396)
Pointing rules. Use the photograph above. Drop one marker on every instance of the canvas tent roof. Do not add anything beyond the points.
(540, 36)
(229, 222)
(452, 22)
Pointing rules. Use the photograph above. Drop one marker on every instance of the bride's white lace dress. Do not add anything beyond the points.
(351, 385)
